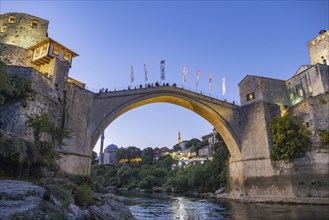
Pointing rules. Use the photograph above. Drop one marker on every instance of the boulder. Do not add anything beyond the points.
(25, 200)
(111, 210)
(219, 191)
(19, 198)
(158, 189)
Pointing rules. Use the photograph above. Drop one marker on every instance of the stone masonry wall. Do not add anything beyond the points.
(264, 89)
(78, 111)
(306, 176)
(256, 141)
(314, 111)
(72, 111)
(21, 33)
(13, 116)
(303, 177)
(13, 55)
(76, 151)
(318, 48)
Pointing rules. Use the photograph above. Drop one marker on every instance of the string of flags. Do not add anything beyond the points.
(185, 71)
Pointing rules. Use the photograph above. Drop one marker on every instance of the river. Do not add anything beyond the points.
(163, 207)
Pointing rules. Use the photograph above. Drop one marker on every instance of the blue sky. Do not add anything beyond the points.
(226, 38)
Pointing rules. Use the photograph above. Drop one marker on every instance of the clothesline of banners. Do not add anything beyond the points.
(163, 77)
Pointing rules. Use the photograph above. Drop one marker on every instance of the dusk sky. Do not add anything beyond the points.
(229, 39)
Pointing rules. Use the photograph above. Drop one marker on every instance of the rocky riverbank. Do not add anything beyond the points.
(241, 198)
(222, 193)
(25, 200)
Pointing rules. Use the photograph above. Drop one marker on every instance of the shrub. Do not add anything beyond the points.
(324, 138)
(14, 88)
(83, 195)
(290, 138)
(148, 182)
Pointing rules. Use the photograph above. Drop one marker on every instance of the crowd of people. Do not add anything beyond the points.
(147, 85)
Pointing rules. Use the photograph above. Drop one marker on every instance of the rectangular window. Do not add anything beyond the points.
(300, 92)
(3, 29)
(292, 96)
(44, 48)
(66, 56)
(250, 96)
(55, 50)
(37, 52)
(11, 19)
(35, 24)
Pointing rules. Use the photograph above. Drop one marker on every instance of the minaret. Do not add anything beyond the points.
(101, 153)
(179, 139)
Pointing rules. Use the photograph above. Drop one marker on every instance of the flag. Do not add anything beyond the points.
(197, 77)
(210, 81)
(184, 74)
(132, 77)
(145, 73)
(224, 86)
(162, 70)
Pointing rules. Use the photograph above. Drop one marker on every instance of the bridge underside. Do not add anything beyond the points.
(223, 117)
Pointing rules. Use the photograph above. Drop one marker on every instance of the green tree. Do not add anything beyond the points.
(147, 155)
(42, 153)
(43, 128)
(201, 144)
(128, 153)
(192, 142)
(121, 154)
(83, 195)
(133, 152)
(289, 137)
(127, 176)
(14, 88)
(196, 176)
(324, 138)
(148, 182)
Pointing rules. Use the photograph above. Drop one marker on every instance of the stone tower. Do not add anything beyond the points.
(22, 30)
(318, 48)
(24, 42)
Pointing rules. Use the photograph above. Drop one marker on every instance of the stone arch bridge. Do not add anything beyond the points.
(222, 115)
(88, 114)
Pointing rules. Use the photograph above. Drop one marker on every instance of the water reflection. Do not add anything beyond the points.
(191, 208)
(163, 207)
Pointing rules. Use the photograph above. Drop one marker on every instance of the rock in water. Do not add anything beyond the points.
(219, 191)
(19, 198)
(111, 210)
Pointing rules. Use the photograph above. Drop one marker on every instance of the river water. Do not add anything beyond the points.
(163, 207)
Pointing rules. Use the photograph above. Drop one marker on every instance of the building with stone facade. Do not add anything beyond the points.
(109, 154)
(29, 52)
(309, 81)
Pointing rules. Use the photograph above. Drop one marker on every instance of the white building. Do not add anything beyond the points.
(109, 154)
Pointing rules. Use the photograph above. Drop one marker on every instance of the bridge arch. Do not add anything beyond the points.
(222, 115)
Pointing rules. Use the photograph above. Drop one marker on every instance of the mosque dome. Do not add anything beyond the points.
(111, 148)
